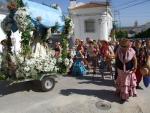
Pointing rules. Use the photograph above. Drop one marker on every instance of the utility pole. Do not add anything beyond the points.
(119, 19)
(115, 23)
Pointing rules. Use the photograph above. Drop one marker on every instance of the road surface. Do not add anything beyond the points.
(71, 95)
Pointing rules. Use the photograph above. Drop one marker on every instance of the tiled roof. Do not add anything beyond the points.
(90, 5)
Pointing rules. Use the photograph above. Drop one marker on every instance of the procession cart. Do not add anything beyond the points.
(44, 81)
(31, 31)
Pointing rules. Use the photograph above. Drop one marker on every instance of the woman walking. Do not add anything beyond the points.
(107, 56)
(92, 55)
(78, 68)
(126, 63)
(138, 50)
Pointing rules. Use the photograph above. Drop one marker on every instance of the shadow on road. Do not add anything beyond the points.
(6, 88)
(108, 95)
(96, 80)
(100, 82)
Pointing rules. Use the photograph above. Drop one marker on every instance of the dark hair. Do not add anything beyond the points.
(4, 42)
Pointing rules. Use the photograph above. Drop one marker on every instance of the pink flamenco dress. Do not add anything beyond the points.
(126, 80)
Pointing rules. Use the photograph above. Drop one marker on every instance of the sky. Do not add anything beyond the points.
(124, 17)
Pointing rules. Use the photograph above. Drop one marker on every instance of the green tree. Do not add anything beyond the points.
(143, 34)
(121, 34)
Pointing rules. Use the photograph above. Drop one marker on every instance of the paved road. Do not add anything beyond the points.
(71, 95)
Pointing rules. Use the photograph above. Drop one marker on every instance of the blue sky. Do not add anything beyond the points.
(128, 16)
(140, 13)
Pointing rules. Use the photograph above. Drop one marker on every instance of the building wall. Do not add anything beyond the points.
(103, 23)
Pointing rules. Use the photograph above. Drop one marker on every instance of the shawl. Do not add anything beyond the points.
(130, 53)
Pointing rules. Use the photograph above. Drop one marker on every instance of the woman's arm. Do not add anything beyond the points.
(82, 56)
(111, 52)
(135, 63)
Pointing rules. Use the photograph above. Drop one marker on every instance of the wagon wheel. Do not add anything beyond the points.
(47, 84)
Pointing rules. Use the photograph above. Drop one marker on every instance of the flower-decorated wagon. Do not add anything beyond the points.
(35, 22)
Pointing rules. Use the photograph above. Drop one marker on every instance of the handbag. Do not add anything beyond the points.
(146, 81)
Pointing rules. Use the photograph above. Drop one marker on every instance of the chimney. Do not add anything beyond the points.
(73, 3)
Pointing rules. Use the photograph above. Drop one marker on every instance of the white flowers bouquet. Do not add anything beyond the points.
(34, 66)
(67, 62)
(64, 64)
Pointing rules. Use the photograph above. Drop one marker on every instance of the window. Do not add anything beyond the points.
(89, 26)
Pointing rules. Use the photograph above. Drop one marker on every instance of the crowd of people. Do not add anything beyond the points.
(131, 59)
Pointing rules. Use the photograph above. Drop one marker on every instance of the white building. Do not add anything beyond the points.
(92, 20)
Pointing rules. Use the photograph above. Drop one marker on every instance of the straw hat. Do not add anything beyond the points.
(145, 71)
(125, 42)
(81, 41)
(90, 41)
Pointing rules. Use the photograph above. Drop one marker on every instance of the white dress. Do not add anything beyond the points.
(39, 50)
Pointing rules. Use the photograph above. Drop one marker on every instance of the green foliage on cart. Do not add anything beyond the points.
(64, 43)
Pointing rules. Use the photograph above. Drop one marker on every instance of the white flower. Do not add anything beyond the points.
(21, 59)
(39, 67)
(56, 69)
(46, 69)
(66, 61)
(59, 60)
(54, 61)
(27, 69)
(71, 62)
(30, 62)
(73, 53)
(51, 68)
(39, 64)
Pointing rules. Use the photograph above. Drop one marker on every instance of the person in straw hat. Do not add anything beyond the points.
(126, 63)
(78, 68)
(107, 55)
(92, 55)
